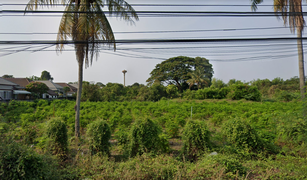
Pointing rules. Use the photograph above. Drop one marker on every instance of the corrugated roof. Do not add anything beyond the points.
(72, 89)
(6, 82)
(74, 85)
(52, 93)
(52, 86)
(22, 82)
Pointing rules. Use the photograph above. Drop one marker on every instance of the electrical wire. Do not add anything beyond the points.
(181, 31)
(164, 5)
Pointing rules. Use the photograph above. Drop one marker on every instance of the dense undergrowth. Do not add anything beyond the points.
(168, 139)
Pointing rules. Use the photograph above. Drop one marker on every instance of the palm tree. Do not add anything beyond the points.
(85, 23)
(292, 14)
(198, 77)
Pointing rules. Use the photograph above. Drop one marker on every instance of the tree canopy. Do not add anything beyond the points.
(46, 76)
(177, 70)
(7, 76)
(37, 88)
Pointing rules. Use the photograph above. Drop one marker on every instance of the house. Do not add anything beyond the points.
(72, 89)
(10, 90)
(55, 90)
(21, 93)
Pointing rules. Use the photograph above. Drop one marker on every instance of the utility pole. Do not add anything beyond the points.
(124, 71)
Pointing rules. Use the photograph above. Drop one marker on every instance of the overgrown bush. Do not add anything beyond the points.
(196, 139)
(99, 134)
(286, 96)
(21, 162)
(212, 166)
(242, 136)
(57, 133)
(243, 91)
(293, 131)
(172, 128)
(144, 137)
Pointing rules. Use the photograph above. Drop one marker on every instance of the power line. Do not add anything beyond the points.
(182, 31)
(165, 13)
(161, 5)
(154, 41)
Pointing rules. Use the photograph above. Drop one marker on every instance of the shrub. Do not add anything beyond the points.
(172, 91)
(99, 134)
(122, 136)
(231, 165)
(57, 133)
(144, 137)
(172, 128)
(223, 92)
(4, 127)
(223, 166)
(188, 94)
(196, 139)
(243, 91)
(286, 96)
(293, 131)
(20, 162)
(241, 135)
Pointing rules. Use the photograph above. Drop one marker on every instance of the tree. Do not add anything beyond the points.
(85, 23)
(217, 83)
(7, 76)
(176, 70)
(34, 78)
(46, 76)
(66, 89)
(198, 77)
(292, 14)
(90, 92)
(100, 84)
(37, 88)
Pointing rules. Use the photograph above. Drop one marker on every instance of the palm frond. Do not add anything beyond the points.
(291, 13)
(66, 26)
(34, 4)
(255, 3)
(122, 9)
(85, 23)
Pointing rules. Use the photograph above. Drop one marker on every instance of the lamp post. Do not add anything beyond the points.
(124, 71)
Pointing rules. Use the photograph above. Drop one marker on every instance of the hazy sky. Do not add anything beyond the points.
(240, 60)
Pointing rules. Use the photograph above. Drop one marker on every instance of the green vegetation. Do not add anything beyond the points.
(99, 134)
(196, 139)
(256, 90)
(224, 139)
(57, 133)
(182, 70)
(37, 89)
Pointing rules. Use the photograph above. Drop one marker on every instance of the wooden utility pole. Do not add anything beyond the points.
(124, 71)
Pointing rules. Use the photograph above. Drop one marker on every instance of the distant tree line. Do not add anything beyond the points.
(45, 75)
(256, 90)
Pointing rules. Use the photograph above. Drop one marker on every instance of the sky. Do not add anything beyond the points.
(246, 61)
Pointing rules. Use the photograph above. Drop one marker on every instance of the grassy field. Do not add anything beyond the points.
(197, 139)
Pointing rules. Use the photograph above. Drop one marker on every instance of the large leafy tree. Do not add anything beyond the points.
(292, 14)
(85, 23)
(177, 70)
(198, 77)
(46, 76)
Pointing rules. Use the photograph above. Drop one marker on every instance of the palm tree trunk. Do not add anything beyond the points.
(80, 79)
(301, 62)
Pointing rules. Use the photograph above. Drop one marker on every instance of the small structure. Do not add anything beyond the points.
(72, 89)
(124, 71)
(54, 90)
(10, 90)
(21, 93)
